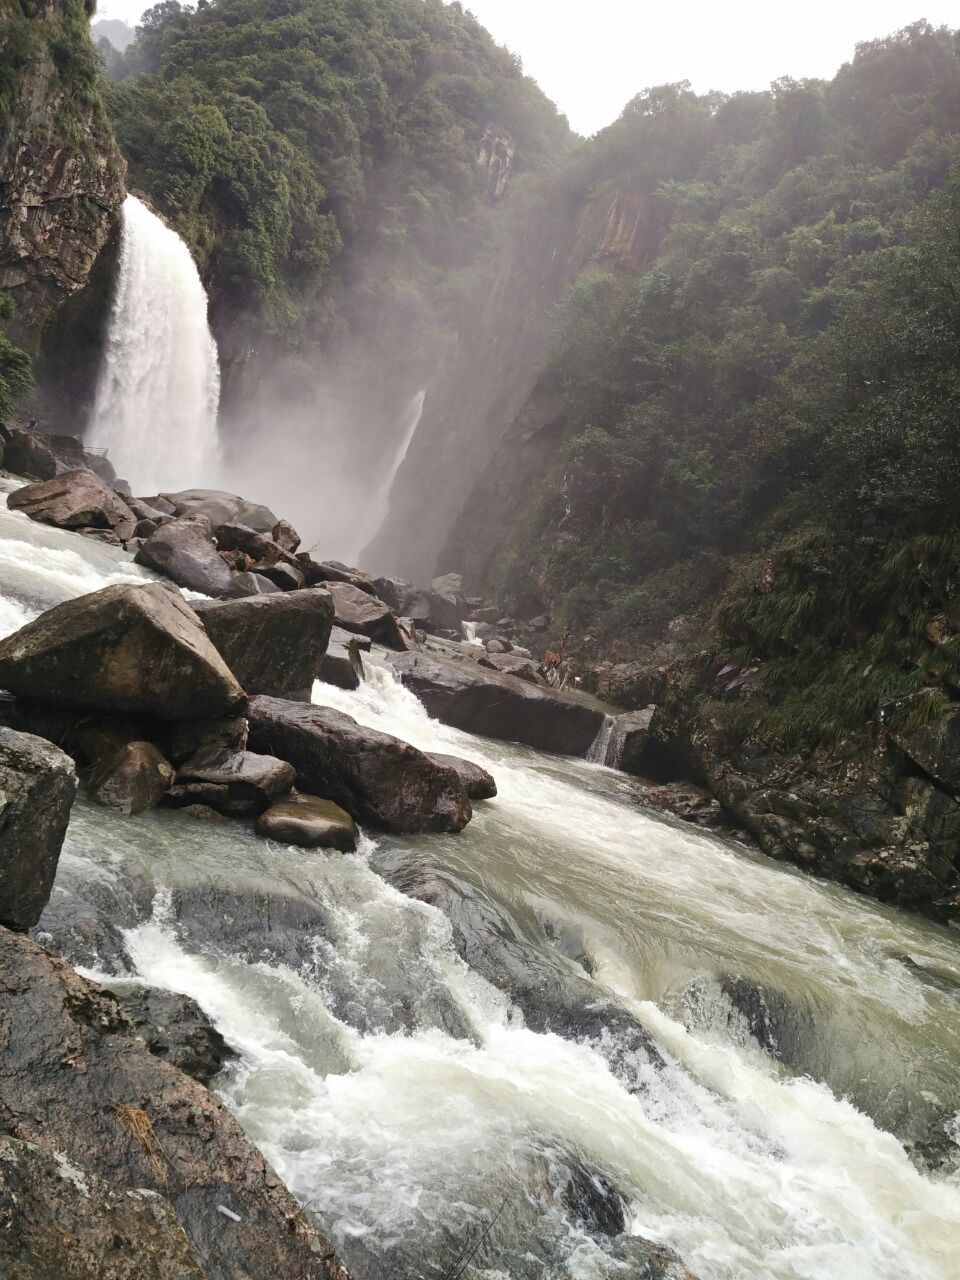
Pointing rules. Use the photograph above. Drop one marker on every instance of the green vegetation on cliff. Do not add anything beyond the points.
(279, 133)
(770, 412)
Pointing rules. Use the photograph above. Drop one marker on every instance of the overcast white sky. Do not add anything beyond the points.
(592, 56)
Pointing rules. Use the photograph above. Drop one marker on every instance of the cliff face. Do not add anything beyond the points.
(489, 430)
(61, 175)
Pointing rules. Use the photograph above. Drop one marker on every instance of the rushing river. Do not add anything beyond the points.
(575, 1021)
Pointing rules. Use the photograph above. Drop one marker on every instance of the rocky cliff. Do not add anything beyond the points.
(61, 175)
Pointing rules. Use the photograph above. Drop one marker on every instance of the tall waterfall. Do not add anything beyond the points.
(380, 504)
(159, 389)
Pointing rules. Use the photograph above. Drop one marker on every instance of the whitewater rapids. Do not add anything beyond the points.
(404, 1094)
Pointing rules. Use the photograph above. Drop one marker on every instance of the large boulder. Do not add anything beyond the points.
(358, 611)
(75, 500)
(77, 1080)
(221, 508)
(377, 778)
(184, 551)
(37, 788)
(124, 648)
(334, 571)
(465, 696)
(273, 644)
(26, 454)
(342, 665)
(241, 784)
(512, 664)
(135, 778)
(476, 781)
(309, 823)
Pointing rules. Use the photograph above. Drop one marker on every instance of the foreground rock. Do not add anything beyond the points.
(477, 782)
(378, 779)
(240, 784)
(125, 648)
(309, 823)
(75, 500)
(37, 787)
(358, 611)
(176, 1029)
(77, 1081)
(273, 644)
(465, 696)
(184, 551)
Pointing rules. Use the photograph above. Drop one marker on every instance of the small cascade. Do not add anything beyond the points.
(607, 746)
(408, 429)
(469, 630)
(159, 389)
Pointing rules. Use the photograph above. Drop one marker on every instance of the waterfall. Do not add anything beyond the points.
(157, 398)
(381, 499)
(607, 745)
(470, 634)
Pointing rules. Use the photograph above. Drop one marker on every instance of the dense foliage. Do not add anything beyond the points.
(773, 408)
(16, 376)
(277, 132)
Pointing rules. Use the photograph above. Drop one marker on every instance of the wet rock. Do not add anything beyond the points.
(176, 1029)
(76, 500)
(684, 800)
(342, 665)
(392, 591)
(26, 454)
(134, 779)
(252, 584)
(184, 551)
(465, 696)
(281, 575)
(143, 530)
(631, 736)
(203, 813)
(773, 1020)
(240, 537)
(286, 536)
(310, 823)
(124, 648)
(432, 611)
(273, 644)
(116, 1112)
(477, 782)
(59, 1221)
(376, 778)
(594, 1203)
(37, 788)
(221, 508)
(320, 571)
(510, 664)
(241, 784)
(183, 740)
(358, 611)
(144, 511)
(934, 748)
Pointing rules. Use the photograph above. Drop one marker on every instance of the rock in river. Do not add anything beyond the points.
(465, 696)
(477, 782)
(75, 500)
(240, 783)
(310, 823)
(185, 552)
(134, 1131)
(273, 644)
(135, 778)
(124, 648)
(376, 778)
(37, 788)
(358, 611)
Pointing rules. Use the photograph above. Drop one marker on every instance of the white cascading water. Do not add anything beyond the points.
(407, 1100)
(380, 504)
(159, 389)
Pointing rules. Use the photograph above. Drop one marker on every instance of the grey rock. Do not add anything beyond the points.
(26, 454)
(135, 778)
(184, 551)
(310, 823)
(221, 508)
(176, 1029)
(355, 610)
(477, 782)
(241, 784)
(76, 500)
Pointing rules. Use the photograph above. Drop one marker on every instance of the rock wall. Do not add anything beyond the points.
(61, 175)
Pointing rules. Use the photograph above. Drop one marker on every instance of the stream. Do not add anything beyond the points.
(527, 1049)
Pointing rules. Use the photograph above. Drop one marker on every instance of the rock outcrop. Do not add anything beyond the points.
(273, 644)
(463, 695)
(37, 789)
(61, 174)
(378, 779)
(75, 500)
(127, 1128)
(124, 648)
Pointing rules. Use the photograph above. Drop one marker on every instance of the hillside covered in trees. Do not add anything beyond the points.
(754, 445)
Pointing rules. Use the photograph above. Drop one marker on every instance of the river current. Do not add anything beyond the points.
(510, 1053)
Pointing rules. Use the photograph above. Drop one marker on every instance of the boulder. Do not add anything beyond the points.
(631, 741)
(355, 610)
(392, 591)
(76, 500)
(342, 665)
(433, 612)
(144, 511)
(273, 644)
(933, 747)
(449, 584)
(124, 648)
(221, 508)
(377, 778)
(135, 778)
(240, 537)
(286, 536)
(183, 740)
(362, 644)
(310, 823)
(184, 551)
(317, 571)
(511, 664)
(281, 575)
(476, 781)
(176, 1029)
(467, 697)
(252, 584)
(37, 787)
(78, 1080)
(241, 784)
(25, 454)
